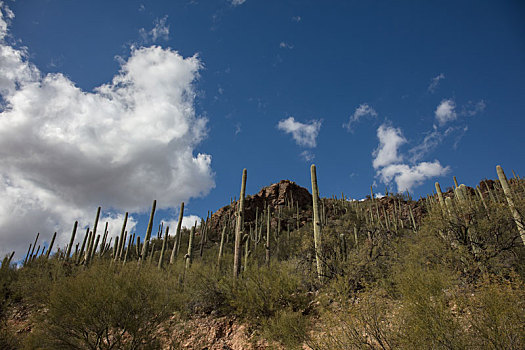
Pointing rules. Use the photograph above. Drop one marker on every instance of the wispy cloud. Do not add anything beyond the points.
(445, 111)
(237, 2)
(362, 111)
(296, 19)
(390, 165)
(284, 45)
(435, 82)
(161, 30)
(307, 156)
(471, 108)
(304, 134)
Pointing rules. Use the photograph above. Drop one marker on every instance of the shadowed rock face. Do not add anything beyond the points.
(285, 193)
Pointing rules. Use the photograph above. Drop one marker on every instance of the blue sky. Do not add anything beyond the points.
(122, 102)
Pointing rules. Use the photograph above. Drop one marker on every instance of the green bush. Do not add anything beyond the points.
(288, 327)
(101, 308)
(262, 292)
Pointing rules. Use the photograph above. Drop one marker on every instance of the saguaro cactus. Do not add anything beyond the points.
(51, 245)
(145, 247)
(176, 244)
(440, 195)
(238, 228)
(267, 246)
(221, 246)
(122, 240)
(164, 243)
(317, 224)
(508, 194)
(72, 240)
(189, 255)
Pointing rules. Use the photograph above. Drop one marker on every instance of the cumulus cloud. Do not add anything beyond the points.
(296, 19)
(187, 222)
(445, 112)
(64, 151)
(161, 30)
(362, 111)
(435, 82)
(284, 45)
(390, 139)
(407, 176)
(390, 164)
(304, 134)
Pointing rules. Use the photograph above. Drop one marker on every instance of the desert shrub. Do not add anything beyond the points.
(495, 314)
(483, 240)
(263, 291)
(101, 308)
(288, 327)
(8, 276)
(206, 289)
(36, 279)
(364, 322)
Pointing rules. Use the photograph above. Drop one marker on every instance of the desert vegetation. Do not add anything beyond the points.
(297, 269)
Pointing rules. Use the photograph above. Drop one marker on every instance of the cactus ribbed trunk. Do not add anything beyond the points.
(130, 242)
(440, 196)
(72, 240)
(176, 244)
(79, 256)
(161, 258)
(317, 223)
(508, 194)
(189, 255)
(221, 246)
(267, 246)
(122, 240)
(145, 246)
(51, 245)
(238, 228)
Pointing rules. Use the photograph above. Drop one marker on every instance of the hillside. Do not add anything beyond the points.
(441, 272)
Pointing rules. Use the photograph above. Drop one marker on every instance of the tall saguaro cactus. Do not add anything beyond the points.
(317, 223)
(440, 195)
(145, 247)
(508, 194)
(176, 244)
(72, 240)
(122, 240)
(238, 228)
(189, 256)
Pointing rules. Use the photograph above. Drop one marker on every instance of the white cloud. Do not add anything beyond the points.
(435, 82)
(362, 111)
(284, 45)
(430, 142)
(307, 156)
(445, 112)
(304, 134)
(390, 139)
(237, 2)
(390, 166)
(406, 176)
(296, 19)
(187, 221)
(160, 30)
(65, 151)
(471, 109)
